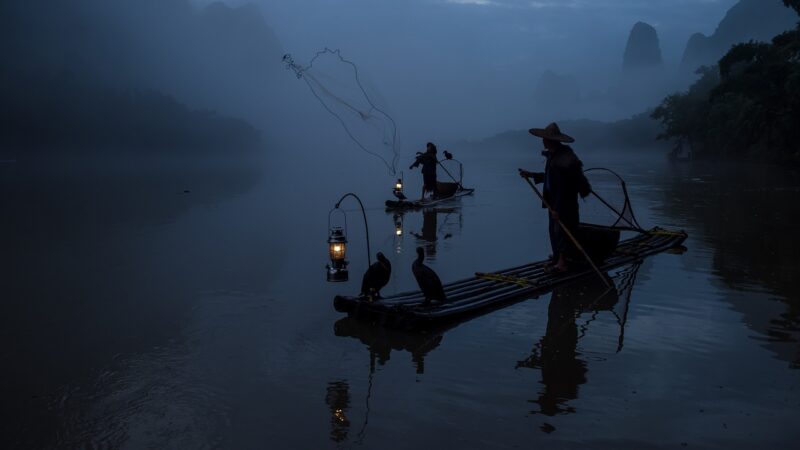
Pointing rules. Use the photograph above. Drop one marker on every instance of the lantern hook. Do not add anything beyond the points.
(363, 213)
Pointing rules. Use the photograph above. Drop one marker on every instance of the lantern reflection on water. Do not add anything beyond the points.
(398, 225)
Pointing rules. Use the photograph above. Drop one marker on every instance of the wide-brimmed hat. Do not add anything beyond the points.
(551, 132)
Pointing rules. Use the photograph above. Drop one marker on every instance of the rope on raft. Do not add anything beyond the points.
(504, 278)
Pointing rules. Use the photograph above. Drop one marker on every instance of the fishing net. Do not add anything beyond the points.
(608, 204)
(335, 82)
(624, 281)
(451, 171)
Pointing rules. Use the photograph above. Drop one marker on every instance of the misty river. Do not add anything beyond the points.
(186, 307)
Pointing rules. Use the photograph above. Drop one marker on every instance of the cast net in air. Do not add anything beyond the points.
(335, 82)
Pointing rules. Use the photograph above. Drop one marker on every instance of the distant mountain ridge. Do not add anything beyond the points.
(636, 134)
(758, 20)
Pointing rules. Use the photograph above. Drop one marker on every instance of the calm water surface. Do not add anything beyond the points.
(138, 315)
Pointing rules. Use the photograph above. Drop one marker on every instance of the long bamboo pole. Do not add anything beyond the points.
(569, 234)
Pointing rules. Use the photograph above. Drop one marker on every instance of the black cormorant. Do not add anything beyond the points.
(376, 277)
(428, 281)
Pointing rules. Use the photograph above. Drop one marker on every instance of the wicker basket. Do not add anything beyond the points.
(446, 189)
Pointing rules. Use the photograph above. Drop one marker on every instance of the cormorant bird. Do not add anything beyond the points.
(428, 281)
(448, 155)
(376, 277)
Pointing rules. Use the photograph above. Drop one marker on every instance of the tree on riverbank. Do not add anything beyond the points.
(748, 106)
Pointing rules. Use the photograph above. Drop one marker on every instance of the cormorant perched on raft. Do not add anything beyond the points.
(429, 282)
(448, 155)
(376, 277)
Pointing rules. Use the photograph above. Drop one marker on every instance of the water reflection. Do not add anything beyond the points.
(437, 224)
(557, 355)
(748, 216)
(380, 341)
(399, 232)
(337, 398)
(118, 276)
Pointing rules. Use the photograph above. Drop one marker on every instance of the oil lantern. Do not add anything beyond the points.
(337, 249)
(398, 189)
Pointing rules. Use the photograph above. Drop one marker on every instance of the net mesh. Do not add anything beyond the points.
(452, 171)
(336, 83)
(608, 204)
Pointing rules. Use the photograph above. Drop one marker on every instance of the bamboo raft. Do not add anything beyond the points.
(487, 291)
(419, 204)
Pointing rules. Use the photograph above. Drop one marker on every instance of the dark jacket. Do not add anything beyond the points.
(428, 162)
(563, 180)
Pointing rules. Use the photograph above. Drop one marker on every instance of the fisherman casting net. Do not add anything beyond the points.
(335, 82)
(608, 204)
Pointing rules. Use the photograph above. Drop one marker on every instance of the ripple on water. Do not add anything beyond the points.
(173, 396)
(154, 400)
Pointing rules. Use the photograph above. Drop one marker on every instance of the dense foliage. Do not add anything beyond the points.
(748, 106)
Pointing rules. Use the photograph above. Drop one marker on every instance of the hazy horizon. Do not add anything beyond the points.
(445, 70)
(482, 59)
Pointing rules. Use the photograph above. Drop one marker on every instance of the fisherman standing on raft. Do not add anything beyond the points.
(428, 162)
(563, 180)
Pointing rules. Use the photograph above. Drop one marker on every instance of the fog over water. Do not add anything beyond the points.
(165, 188)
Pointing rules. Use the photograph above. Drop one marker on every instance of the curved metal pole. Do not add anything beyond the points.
(635, 223)
(363, 213)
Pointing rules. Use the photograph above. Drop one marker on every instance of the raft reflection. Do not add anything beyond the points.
(380, 341)
(433, 229)
(556, 354)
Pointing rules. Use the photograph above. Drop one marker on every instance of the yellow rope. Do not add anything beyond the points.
(503, 278)
(661, 232)
(526, 283)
